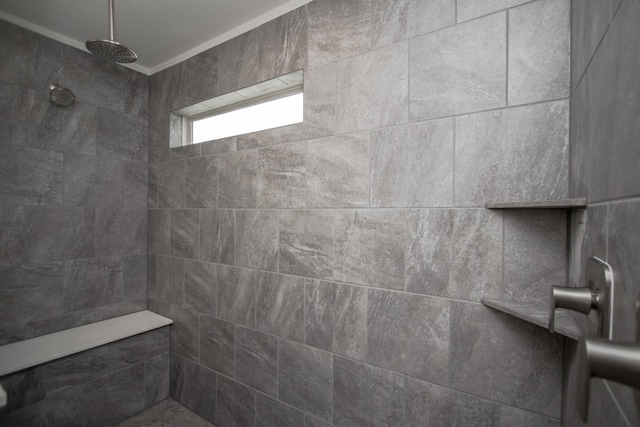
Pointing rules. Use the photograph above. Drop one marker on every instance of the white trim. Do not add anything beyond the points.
(35, 351)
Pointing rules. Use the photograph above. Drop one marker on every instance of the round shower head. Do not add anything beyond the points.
(61, 96)
(111, 51)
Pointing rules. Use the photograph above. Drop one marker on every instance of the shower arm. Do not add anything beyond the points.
(111, 30)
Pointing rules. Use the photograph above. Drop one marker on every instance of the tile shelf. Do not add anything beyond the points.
(539, 204)
(538, 314)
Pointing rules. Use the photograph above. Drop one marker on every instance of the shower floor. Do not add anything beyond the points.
(168, 413)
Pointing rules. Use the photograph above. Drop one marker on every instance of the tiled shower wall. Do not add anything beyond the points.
(605, 154)
(330, 273)
(73, 188)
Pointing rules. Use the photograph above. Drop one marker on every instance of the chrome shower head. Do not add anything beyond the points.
(61, 96)
(109, 49)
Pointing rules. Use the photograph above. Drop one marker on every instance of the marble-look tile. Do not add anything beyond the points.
(136, 93)
(280, 305)
(93, 282)
(159, 238)
(370, 248)
(402, 338)
(235, 404)
(336, 318)
(510, 416)
(589, 22)
(263, 138)
(256, 356)
(27, 233)
(201, 76)
(469, 9)
(136, 178)
(121, 231)
(310, 421)
(518, 153)
(359, 107)
(237, 179)
(29, 176)
(184, 331)
(337, 30)
(219, 146)
(185, 233)
(306, 243)
(429, 404)
(281, 176)
(305, 378)
(237, 295)
(168, 413)
(72, 129)
(166, 90)
(159, 135)
(272, 413)
(201, 183)
(184, 152)
(539, 52)
(338, 171)
(535, 248)
(579, 142)
(366, 395)
(458, 70)
(217, 345)
(93, 80)
(504, 359)
(412, 165)
(13, 109)
(156, 378)
(238, 62)
(217, 236)
(404, 19)
(194, 386)
(200, 287)
(319, 106)
(172, 187)
(283, 44)
(169, 280)
(257, 239)
(30, 60)
(121, 136)
(94, 181)
(23, 388)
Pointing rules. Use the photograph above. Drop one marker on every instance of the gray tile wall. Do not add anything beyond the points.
(604, 167)
(332, 270)
(73, 188)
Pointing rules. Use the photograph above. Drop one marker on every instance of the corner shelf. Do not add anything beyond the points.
(539, 204)
(538, 314)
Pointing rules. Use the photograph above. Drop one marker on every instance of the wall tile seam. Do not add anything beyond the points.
(345, 209)
(614, 201)
(492, 12)
(617, 404)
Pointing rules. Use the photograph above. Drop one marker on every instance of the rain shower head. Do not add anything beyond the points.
(110, 50)
(61, 96)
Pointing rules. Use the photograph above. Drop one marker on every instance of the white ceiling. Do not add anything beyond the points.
(161, 32)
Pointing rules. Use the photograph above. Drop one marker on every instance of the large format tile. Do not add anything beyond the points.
(366, 395)
(172, 186)
(409, 334)
(184, 331)
(201, 76)
(336, 318)
(121, 231)
(359, 107)
(501, 358)
(306, 243)
(539, 50)
(200, 287)
(338, 171)
(237, 179)
(412, 165)
(469, 9)
(13, 108)
(166, 91)
(238, 62)
(170, 278)
(397, 20)
(280, 305)
(30, 176)
(282, 176)
(185, 233)
(201, 183)
(272, 413)
(136, 93)
(235, 404)
(25, 387)
(157, 377)
(337, 29)
(237, 295)
(510, 416)
(459, 70)
(256, 360)
(283, 44)
(121, 136)
(194, 386)
(159, 136)
(169, 413)
(217, 345)
(589, 22)
(257, 239)
(93, 181)
(217, 236)
(518, 153)
(305, 378)
(370, 248)
(136, 179)
(159, 229)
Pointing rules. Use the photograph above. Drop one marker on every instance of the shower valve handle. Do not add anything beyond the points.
(582, 300)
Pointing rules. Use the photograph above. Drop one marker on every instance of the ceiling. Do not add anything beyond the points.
(161, 32)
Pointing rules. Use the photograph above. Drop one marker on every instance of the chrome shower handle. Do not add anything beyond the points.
(582, 300)
(601, 358)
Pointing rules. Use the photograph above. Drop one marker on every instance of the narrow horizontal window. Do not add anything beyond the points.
(267, 105)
